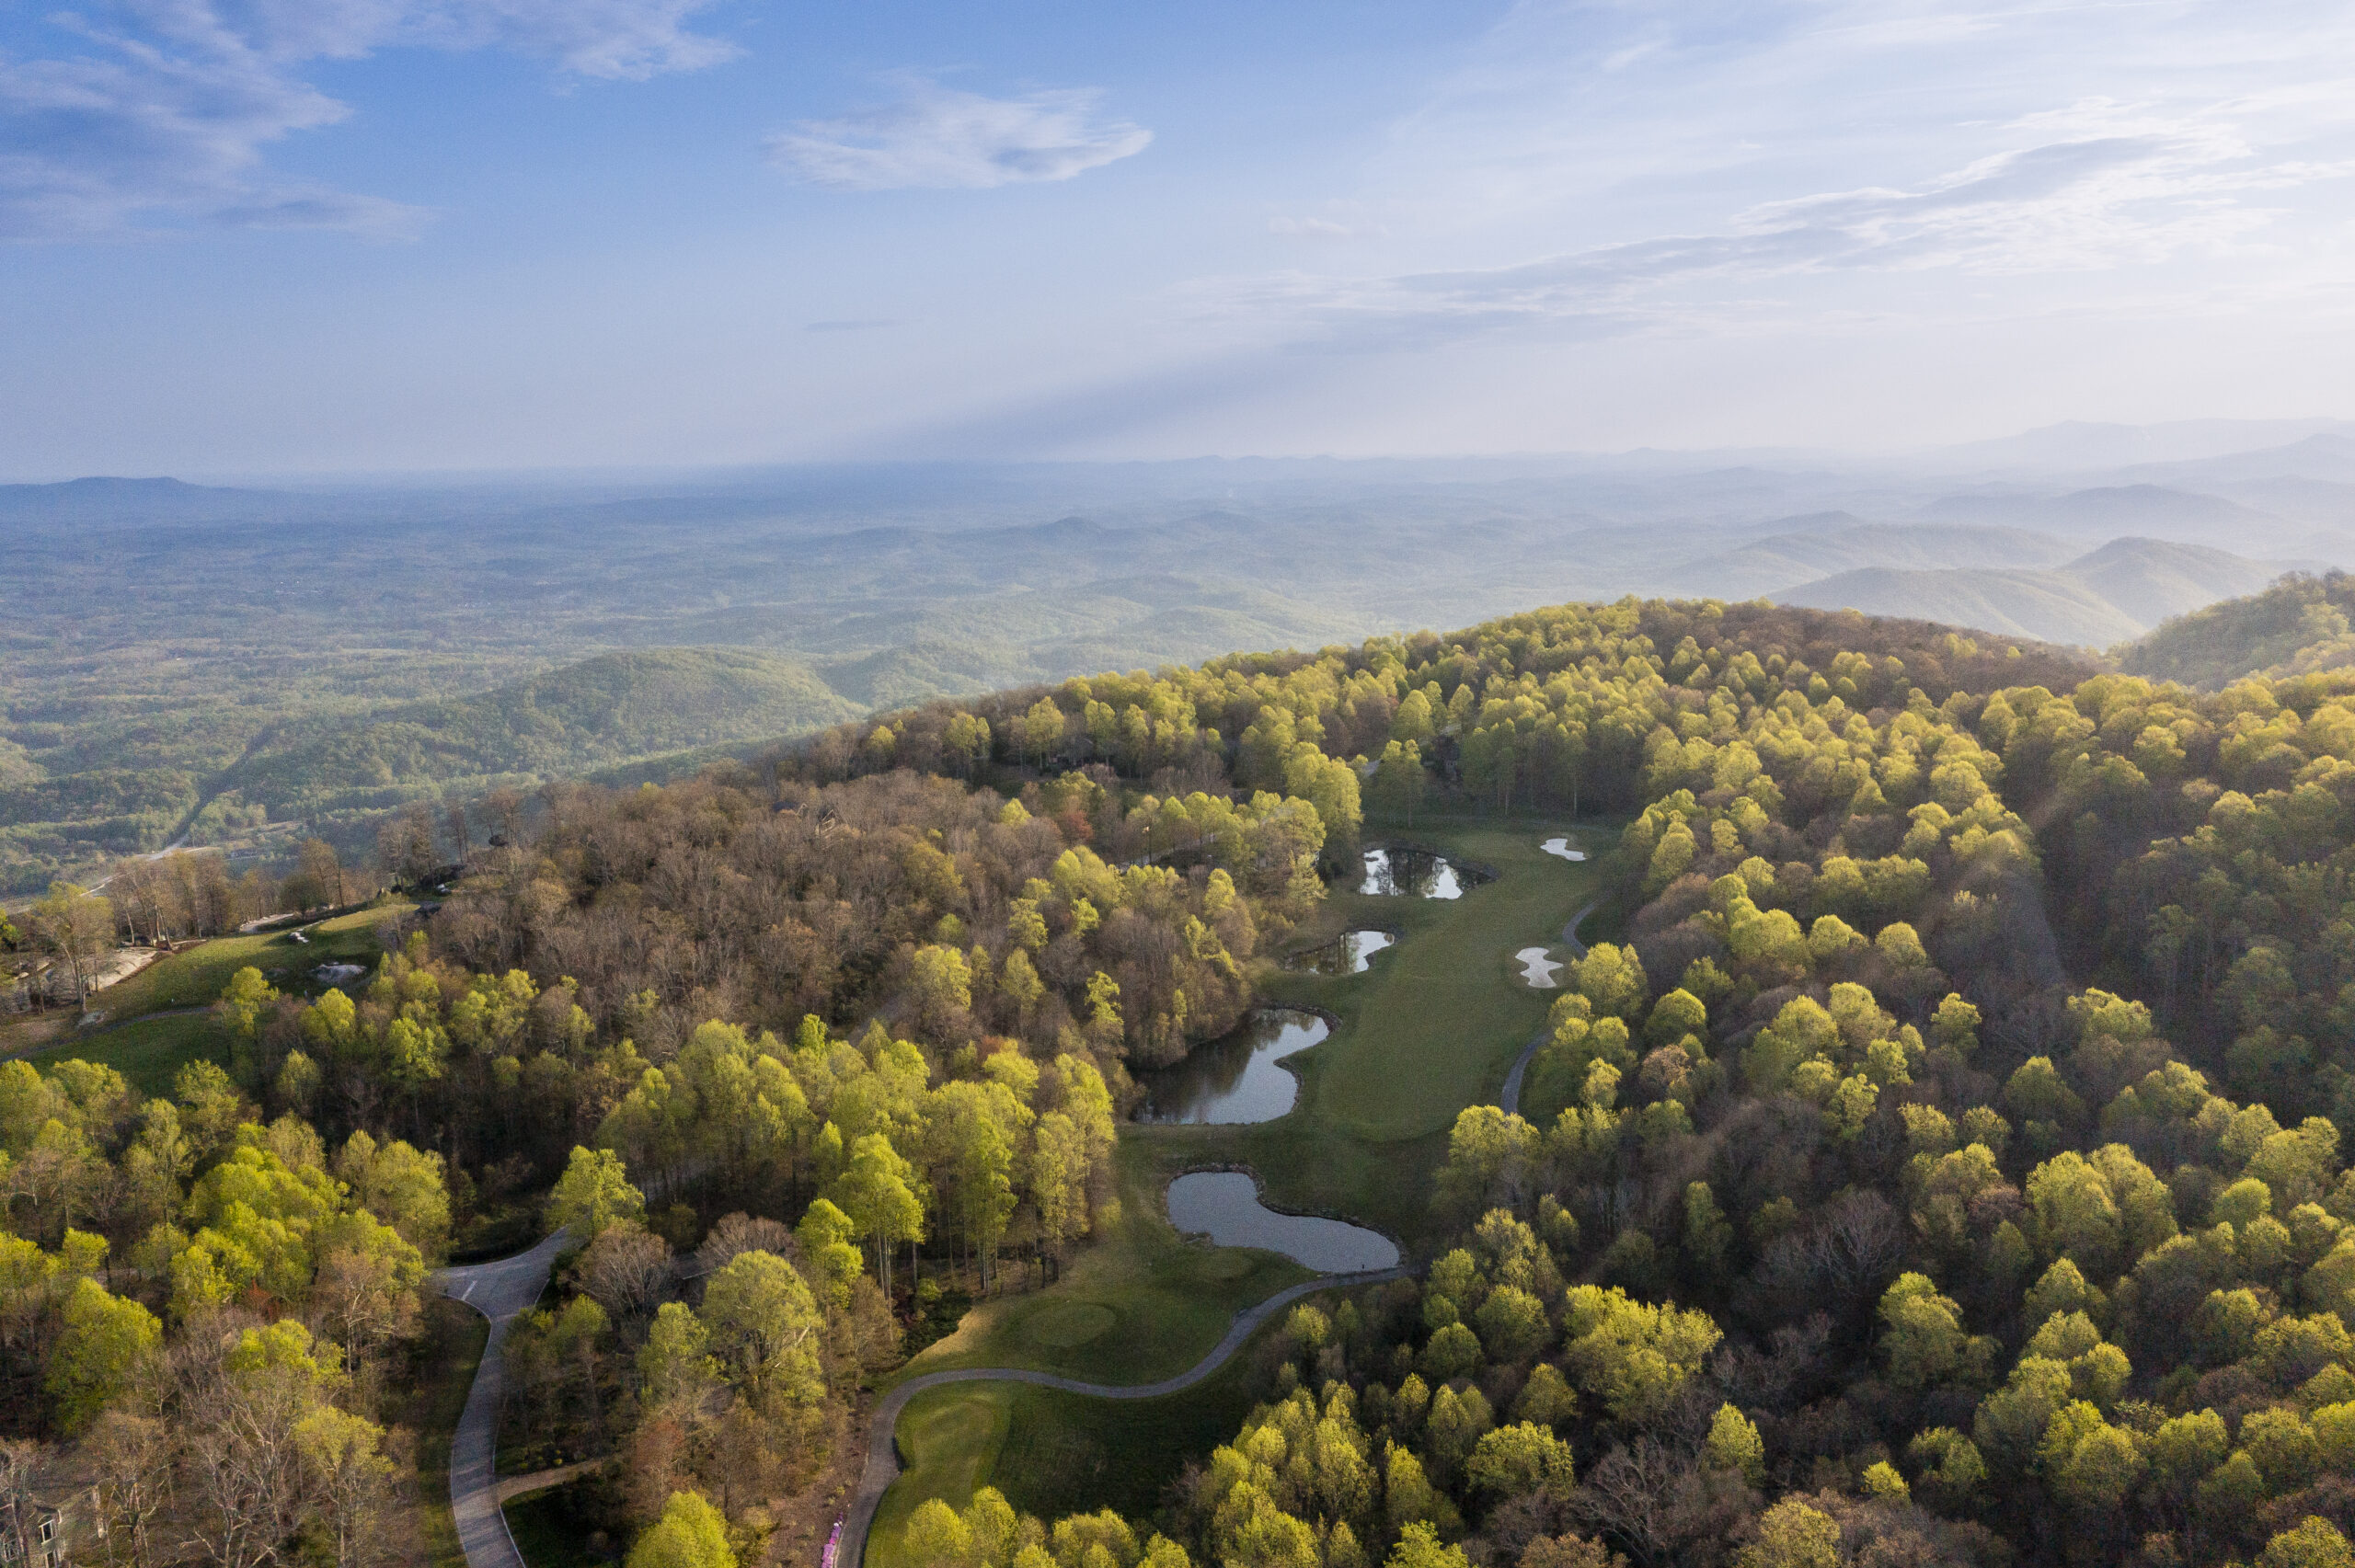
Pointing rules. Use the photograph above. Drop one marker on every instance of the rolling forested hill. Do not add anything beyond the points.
(184, 658)
(2296, 627)
(614, 709)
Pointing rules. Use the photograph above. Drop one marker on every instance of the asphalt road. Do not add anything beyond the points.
(882, 1449)
(498, 1290)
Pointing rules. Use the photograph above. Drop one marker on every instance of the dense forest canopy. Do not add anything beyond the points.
(1944, 1167)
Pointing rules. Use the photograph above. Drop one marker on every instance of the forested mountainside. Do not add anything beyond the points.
(1944, 1168)
(2297, 626)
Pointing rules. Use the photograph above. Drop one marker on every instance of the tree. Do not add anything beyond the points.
(1734, 1445)
(1793, 1535)
(104, 1344)
(874, 1192)
(690, 1534)
(1522, 1459)
(353, 1480)
(2314, 1544)
(593, 1193)
(1420, 1547)
(765, 1327)
(78, 926)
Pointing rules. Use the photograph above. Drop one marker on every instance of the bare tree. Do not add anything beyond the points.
(78, 926)
(628, 1271)
(738, 1233)
(132, 1459)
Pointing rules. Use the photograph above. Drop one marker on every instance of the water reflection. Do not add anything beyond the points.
(1234, 1078)
(1564, 848)
(1351, 954)
(1225, 1206)
(1537, 970)
(1409, 874)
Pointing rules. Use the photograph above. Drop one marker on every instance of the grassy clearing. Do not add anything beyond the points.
(148, 1049)
(1431, 1027)
(150, 1052)
(456, 1335)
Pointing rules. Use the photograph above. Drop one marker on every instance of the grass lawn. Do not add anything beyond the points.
(1432, 1027)
(149, 1050)
(456, 1335)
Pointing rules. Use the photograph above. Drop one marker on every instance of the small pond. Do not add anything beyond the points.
(1225, 1205)
(1352, 954)
(1410, 874)
(1537, 970)
(1566, 847)
(1234, 1078)
(337, 974)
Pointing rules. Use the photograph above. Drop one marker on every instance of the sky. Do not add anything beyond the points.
(321, 236)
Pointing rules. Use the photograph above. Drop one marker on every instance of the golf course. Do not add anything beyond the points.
(1432, 1025)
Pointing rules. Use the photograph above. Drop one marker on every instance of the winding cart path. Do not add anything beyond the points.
(882, 1449)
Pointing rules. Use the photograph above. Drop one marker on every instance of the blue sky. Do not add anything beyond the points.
(323, 236)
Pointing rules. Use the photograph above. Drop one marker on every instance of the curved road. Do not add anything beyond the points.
(499, 1291)
(882, 1449)
(1509, 1097)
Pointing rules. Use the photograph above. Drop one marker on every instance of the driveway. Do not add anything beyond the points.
(498, 1290)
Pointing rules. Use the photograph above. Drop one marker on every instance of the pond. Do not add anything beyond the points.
(1352, 954)
(1234, 1078)
(1563, 847)
(1410, 874)
(1225, 1205)
(1537, 970)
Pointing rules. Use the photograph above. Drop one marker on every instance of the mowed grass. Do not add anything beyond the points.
(1139, 1305)
(150, 1050)
(1054, 1453)
(1432, 1027)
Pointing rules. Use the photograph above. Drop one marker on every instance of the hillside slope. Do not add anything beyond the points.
(2098, 600)
(604, 711)
(2043, 606)
(2299, 626)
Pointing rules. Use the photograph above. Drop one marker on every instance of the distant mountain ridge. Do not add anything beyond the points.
(2103, 597)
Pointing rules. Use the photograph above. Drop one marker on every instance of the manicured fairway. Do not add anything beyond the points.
(1432, 1027)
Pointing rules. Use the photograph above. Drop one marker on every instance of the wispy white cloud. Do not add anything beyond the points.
(936, 137)
(156, 115)
(1705, 158)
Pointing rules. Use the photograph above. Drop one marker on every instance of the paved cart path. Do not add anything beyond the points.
(499, 1291)
(882, 1448)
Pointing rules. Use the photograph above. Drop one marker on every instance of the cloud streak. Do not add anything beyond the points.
(156, 116)
(937, 138)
